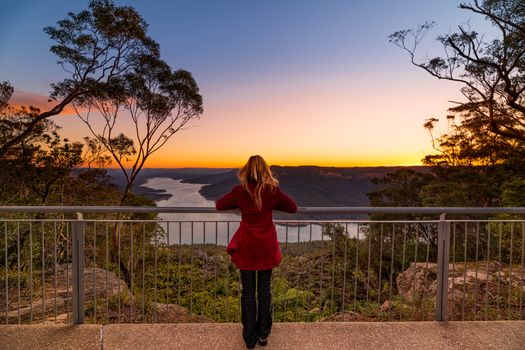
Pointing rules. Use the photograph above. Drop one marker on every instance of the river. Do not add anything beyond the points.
(216, 228)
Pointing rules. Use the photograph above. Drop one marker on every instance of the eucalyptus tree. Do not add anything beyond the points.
(483, 149)
(491, 72)
(13, 119)
(153, 100)
(156, 103)
(95, 45)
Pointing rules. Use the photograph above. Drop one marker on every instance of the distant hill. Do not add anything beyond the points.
(310, 186)
(213, 178)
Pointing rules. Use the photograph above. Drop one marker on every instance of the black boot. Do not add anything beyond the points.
(263, 341)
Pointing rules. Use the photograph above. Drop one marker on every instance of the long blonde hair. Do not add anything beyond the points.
(257, 171)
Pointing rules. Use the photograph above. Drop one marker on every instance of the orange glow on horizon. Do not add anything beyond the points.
(230, 162)
(26, 98)
(326, 124)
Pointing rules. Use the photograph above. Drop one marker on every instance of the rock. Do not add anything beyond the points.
(386, 306)
(96, 282)
(36, 309)
(60, 319)
(418, 282)
(174, 313)
(57, 294)
(343, 317)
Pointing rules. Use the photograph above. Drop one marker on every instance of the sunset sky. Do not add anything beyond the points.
(300, 82)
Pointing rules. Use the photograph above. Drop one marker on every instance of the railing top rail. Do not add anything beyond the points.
(302, 210)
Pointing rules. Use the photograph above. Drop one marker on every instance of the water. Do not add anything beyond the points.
(216, 228)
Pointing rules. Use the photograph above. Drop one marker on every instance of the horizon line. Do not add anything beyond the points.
(274, 165)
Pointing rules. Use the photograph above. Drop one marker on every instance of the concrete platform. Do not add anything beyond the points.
(508, 335)
(50, 337)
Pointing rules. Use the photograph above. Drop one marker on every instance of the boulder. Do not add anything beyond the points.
(57, 294)
(343, 317)
(386, 306)
(97, 281)
(174, 313)
(418, 282)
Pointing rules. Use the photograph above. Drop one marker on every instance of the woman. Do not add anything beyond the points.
(254, 247)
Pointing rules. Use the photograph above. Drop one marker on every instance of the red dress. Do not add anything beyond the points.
(254, 246)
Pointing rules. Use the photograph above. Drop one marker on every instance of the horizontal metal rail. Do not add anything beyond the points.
(302, 210)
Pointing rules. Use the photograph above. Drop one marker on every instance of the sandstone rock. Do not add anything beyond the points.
(174, 313)
(96, 282)
(60, 319)
(35, 309)
(343, 317)
(418, 282)
(56, 296)
(386, 306)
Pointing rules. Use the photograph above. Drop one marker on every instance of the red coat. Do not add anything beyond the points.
(254, 246)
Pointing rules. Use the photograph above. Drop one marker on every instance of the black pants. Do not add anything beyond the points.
(256, 320)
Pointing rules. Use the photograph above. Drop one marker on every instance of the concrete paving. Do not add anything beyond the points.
(508, 335)
(50, 337)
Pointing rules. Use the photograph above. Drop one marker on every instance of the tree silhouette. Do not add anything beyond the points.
(93, 46)
(157, 101)
(492, 72)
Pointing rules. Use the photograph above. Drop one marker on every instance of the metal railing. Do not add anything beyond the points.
(153, 264)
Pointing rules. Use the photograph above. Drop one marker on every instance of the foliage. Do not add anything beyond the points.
(47, 171)
(159, 101)
(491, 72)
(401, 188)
(479, 161)
(473, 167)
(513, 192)
(94, 46)
(112, 65)
(14, 119)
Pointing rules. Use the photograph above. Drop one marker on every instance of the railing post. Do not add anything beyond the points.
(442, 269)
(77, 241)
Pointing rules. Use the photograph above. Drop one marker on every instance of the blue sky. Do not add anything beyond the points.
(302, 67)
